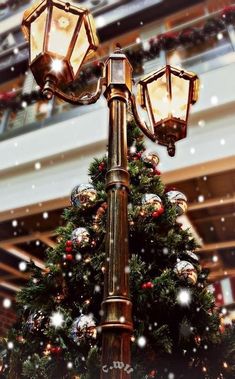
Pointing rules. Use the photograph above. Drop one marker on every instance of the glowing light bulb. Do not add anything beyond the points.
(184, 297)
(57, 319)
(57, 65)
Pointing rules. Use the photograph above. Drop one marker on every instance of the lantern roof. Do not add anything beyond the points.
(150, 77)
(39, 5)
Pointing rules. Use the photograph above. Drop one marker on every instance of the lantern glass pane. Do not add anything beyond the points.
(117, 71)
(180, 95)
(80, 49)
(61, 31)
(37, 32)
(92, 29)
(159, 98)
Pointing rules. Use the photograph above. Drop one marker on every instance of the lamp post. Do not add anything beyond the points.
(61, 38)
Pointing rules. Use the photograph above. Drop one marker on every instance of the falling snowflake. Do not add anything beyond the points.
(224, 311)
(132, 149)
(214, 100)
(6, 303)
(201, 123)
(45, 215)
(201, 198)
(141, 342)
(97, 288)
(10, 345)
(37, 166)
(69, 365)
(22, 266)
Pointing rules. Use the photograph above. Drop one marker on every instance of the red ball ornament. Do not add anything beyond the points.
(68, 249)
(161, 211)
(58, 350)
(149, 285)
(157, 172)
(101, 166)
(69, 257)
(155, 214)
(138, 155)
(158, 213)
(55, 349)
(69, 243)
(152, 374)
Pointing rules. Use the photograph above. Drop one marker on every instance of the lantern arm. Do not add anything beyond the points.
(85, 98)
(142, 125)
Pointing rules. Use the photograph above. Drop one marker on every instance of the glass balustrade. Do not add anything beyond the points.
(215, 52)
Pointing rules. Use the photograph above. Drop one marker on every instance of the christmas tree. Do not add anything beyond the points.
(177, 328)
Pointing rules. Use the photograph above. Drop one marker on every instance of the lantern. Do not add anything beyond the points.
(166, 95)
(118, 70)
(61, 38)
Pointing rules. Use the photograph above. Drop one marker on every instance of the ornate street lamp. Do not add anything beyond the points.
(61, 38)
(166, 95)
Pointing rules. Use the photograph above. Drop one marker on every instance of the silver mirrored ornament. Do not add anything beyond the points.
(186, 271)
(83, 327)
(193, 256)
(179, 199)
(151, 158)
(80, 237)
(36, 322)
(151, 199)
(83, 195)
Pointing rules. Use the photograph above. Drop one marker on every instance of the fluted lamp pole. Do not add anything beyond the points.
(61, 38)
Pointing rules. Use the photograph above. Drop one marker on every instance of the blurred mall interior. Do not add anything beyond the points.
(46, 146)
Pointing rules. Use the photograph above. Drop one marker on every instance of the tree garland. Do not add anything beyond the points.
(143, 52)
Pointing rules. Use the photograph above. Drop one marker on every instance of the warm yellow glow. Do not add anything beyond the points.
(37, 32)
(159, 98)
(61, 31)
(63, 22)
(180, 95)
(162, 105)
(80, 49)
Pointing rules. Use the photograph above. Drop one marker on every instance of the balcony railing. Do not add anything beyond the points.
(207, 56)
